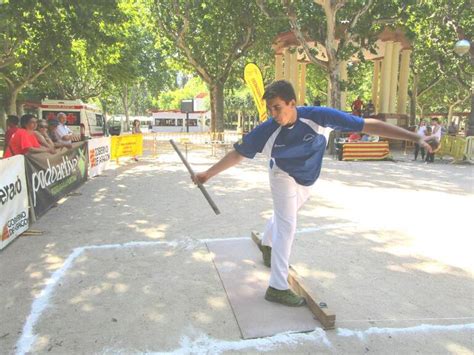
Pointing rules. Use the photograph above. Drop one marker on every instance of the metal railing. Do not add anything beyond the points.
(221, 139)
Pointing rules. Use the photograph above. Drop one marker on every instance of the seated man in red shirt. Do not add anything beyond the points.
(24, 140)
(12, 127)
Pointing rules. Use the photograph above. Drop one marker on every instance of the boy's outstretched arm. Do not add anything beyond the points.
(380, 128)
(229, 160)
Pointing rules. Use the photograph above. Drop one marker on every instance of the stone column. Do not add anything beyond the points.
(294, 72)
(286, 64)
(403, 88)
(343, 77)
(392, 108)
(302, 84)
(375, 84)
(278, 67)
(385, 78)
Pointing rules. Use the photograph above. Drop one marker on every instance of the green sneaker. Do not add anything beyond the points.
(285, 297)
(266, 253)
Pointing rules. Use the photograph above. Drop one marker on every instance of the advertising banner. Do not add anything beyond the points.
(254, 80)
(13, 199)
(99, 155)
(51, 176)
(127, 146)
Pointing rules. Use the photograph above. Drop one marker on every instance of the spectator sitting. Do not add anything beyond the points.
(24, 140)
(354, 137)
(369, 109)
(436, 131)
(52, 127)
(365, 138)
(12, 127)
(63, 132)
(357, 106)
(42, 135)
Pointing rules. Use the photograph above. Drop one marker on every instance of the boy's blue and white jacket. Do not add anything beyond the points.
(298, 149)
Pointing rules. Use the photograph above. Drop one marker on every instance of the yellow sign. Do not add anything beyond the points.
(254, 80)
(126, 146)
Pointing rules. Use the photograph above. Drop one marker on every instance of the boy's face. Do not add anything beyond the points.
(283, 113)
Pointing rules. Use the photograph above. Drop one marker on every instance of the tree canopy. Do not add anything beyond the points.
(128, 54)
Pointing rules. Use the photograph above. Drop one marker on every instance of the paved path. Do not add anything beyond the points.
(122, 268)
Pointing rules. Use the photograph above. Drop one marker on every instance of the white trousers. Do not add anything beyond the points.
(288, 197)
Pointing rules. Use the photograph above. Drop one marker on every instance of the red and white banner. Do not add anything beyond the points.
(99, 155)
(13, 199)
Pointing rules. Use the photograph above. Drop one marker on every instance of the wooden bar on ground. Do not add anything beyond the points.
(318, 308)
(31, 232)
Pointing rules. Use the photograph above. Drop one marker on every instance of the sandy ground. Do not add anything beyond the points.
(123, 268)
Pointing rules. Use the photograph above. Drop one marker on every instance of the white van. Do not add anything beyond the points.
(175, 121)
(77, 112)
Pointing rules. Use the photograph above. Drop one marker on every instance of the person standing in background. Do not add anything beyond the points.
(421, 132)
(433, 139)
(136, 130)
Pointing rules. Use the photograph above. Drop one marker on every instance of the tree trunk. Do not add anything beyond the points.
(10, 100)
(334, 99)
(470, 122)
(335, 88)
(124, 97)
(217, 107)
(103, 103)
(451, 110)
(331, 49)
(422, 111)
(3, 118)
(19, 109)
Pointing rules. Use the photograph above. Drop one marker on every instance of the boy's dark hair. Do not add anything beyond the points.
(280, 88)
(12, 119)
(25, 119)
(435, 119)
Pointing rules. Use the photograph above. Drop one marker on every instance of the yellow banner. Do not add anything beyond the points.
(254, 80)
(126, 146)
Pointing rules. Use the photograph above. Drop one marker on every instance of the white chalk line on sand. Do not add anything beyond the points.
(203, 344)
(401, 319)
(27, 339)
(422, 328)
(41, 302)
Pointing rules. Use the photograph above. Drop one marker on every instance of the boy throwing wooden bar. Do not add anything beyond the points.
(295, 139)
